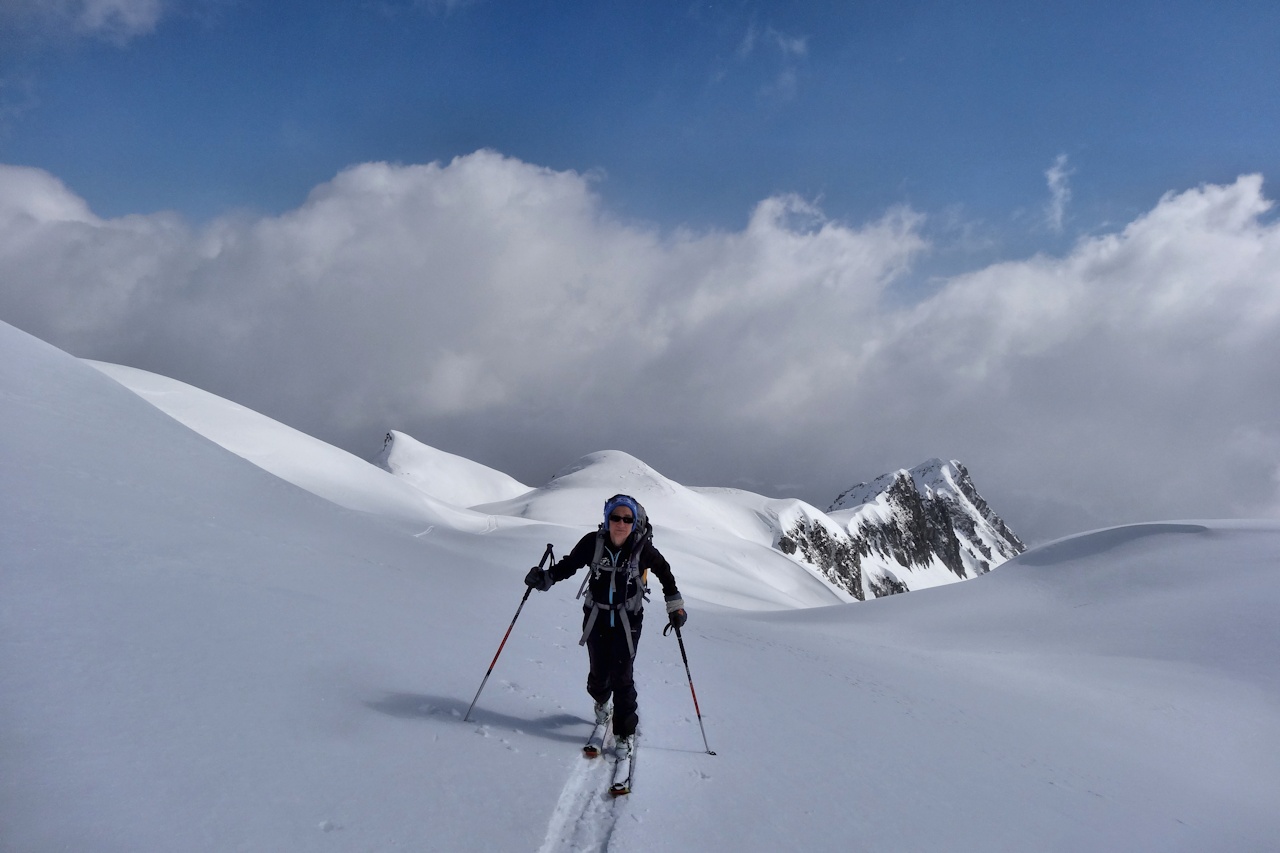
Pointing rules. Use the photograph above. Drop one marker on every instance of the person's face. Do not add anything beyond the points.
(620, 523)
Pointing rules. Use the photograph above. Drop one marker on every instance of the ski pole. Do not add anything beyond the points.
(696, 710)
(545, 554)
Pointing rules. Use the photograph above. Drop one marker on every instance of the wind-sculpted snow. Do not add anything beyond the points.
(199, 656)
(1099, 542)
(444, 476)
(320, 468)
(728, 538)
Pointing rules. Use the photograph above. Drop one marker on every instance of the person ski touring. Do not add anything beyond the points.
(619, 556)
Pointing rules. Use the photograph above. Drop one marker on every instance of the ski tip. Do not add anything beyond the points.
(619, 790)
(590, 752)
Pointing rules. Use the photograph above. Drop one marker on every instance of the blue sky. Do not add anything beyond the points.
(691, 112)
(785, 246)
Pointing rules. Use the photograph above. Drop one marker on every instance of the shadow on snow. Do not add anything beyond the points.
(417, 706)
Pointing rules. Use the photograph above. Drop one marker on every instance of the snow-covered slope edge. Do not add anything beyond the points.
(722, 545)
(291, 455)
(726, 540)
(445, 476)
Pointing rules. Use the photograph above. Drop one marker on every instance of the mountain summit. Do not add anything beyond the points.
(906, 530)
(928, 525)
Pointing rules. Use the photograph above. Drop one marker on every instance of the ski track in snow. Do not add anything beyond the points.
(586, 815)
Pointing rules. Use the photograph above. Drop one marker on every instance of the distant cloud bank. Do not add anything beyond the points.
(496, 309)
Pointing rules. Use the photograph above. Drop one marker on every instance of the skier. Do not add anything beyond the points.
(620, 554)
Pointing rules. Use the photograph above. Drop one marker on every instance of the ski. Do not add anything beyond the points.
(623, 767)
(595, 744)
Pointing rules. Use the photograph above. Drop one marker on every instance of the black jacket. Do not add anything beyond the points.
(582, 554)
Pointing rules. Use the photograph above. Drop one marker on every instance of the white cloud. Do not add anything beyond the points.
(117, 21)
(786, 44)
(1059, 193)
(784, 85)
(789, 45)
(496, 309)
(33, 197)
(783, 88)
(750, 38)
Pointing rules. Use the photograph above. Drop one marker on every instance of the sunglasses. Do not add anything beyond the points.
(622, 519)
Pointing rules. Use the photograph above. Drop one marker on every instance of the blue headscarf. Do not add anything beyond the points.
(631, 504)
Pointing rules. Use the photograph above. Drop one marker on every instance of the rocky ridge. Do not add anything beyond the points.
(905, 530)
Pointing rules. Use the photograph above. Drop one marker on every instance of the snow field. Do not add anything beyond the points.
(198, 655)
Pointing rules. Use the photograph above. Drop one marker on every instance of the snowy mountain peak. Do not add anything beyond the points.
(934, 472)
(929, 477)
(928, 524)
(614, 471)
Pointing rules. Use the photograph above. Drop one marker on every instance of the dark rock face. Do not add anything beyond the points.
(901, 523)
(985, 513)
(836, 556)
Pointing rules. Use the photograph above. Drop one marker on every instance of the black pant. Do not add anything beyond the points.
(611, 667)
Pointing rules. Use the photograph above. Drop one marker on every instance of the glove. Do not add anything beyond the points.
(539, 579)
(676, 617)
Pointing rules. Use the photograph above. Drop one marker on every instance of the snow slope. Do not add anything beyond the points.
(320, 468)
(445, 476)
(198, 655)
(727, 536)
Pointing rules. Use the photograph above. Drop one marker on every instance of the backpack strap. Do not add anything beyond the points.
(634, 603)
(593, 572)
